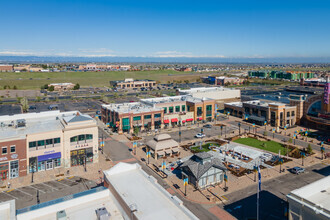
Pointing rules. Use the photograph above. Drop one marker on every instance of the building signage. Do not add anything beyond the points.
(3, 158)
(49, 152)
(326, 93)
(14, 156)
(81, 145)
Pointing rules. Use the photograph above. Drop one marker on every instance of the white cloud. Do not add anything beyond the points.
(102, 52)
(183, 54)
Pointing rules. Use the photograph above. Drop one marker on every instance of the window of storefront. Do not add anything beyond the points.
(208, 110)
(81, 137)
(41, 143)
(177, 108)
(49, 142)
(199, 111)
(170, 109)
(12, 149)
(4, 150)
(288, 114)
(89, 136)
(14, 170)
(57, 140)
(126, 124)
(165, 110)
(74, 139)
(137, 118)
(32, 144)
(147, 116)
(158, 115)
(183, 108)
(4, 171)
(78, 157)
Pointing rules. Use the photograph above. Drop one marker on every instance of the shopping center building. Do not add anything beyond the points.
(47, 140)
(276, 114)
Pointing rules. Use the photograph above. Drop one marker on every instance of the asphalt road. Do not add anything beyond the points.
(273, 202)
(189, 134)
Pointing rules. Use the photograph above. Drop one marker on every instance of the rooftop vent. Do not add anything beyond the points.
(61, 215)
(102, 214)
(20, 123)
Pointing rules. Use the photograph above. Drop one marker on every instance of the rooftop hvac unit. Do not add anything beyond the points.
(102, 214)
(61, 215)
(20, 123)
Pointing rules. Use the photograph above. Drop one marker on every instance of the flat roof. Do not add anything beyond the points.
(170, 99)
(131, 107)
(316, 194)
(142, 193)
(206, 89)
(81, 205)
(38, 123)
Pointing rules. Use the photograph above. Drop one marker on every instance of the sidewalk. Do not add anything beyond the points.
(58, 173)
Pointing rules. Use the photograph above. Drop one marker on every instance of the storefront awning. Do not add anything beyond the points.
(189, 119)
(49, 156)
(256, 118)
(183, 121)
(166, 121)
(175, 150)
(160, 153)
(168, 151)
(174, 120)
(199, 118)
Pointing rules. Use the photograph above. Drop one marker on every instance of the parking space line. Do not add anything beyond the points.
(63, 184)
(224, 197)
(10, 190)
(10, 195)
(24, 192)
(60, 180)
(37, 189)
(50, 186)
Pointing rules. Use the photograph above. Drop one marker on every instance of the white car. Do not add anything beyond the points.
(200, 135)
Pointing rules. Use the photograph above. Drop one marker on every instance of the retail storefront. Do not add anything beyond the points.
(45, 162)
(4, 170)
(81, 156)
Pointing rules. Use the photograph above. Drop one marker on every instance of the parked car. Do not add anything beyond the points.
(207, 126)
(32, 107)
(199, 135)
(297, 170)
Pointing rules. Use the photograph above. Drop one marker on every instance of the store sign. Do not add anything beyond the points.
(3, 158)
(14, 156)
(81, 145)
(49, 152)
(326, 93)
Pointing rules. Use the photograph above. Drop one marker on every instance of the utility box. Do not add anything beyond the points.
(61, 215)
(102, 214)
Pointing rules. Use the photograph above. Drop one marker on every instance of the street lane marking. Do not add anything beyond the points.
(37, 189)
(63, 184)
(60, 179)
(50, 186)
(10, 195)
(10, 190)
(70, 177)
(24, 192)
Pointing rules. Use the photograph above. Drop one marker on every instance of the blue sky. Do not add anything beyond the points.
(167, 28)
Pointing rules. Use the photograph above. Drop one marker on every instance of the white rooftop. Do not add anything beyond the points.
(38, 122)
(316, 194)
(131, 107)
(205, 89)
(181, 98)
(143, 194)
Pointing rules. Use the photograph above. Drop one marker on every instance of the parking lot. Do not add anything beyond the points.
(10, 109)
(42, 192)
(84, 106)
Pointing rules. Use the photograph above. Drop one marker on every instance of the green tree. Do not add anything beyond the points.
(265, 133)
(51, 88)
(290, 140)
(309, 149)
(76, 87)
(136, 131)
(15, 87)
(25, 104)
(38, 99)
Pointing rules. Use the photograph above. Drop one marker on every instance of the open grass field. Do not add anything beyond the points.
(271, 146)
(34, 80)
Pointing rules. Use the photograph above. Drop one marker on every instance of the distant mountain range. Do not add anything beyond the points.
(65, 59)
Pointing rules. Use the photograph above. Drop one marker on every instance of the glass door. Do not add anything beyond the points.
(49, 165)
(14, 169)
(41, 166)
